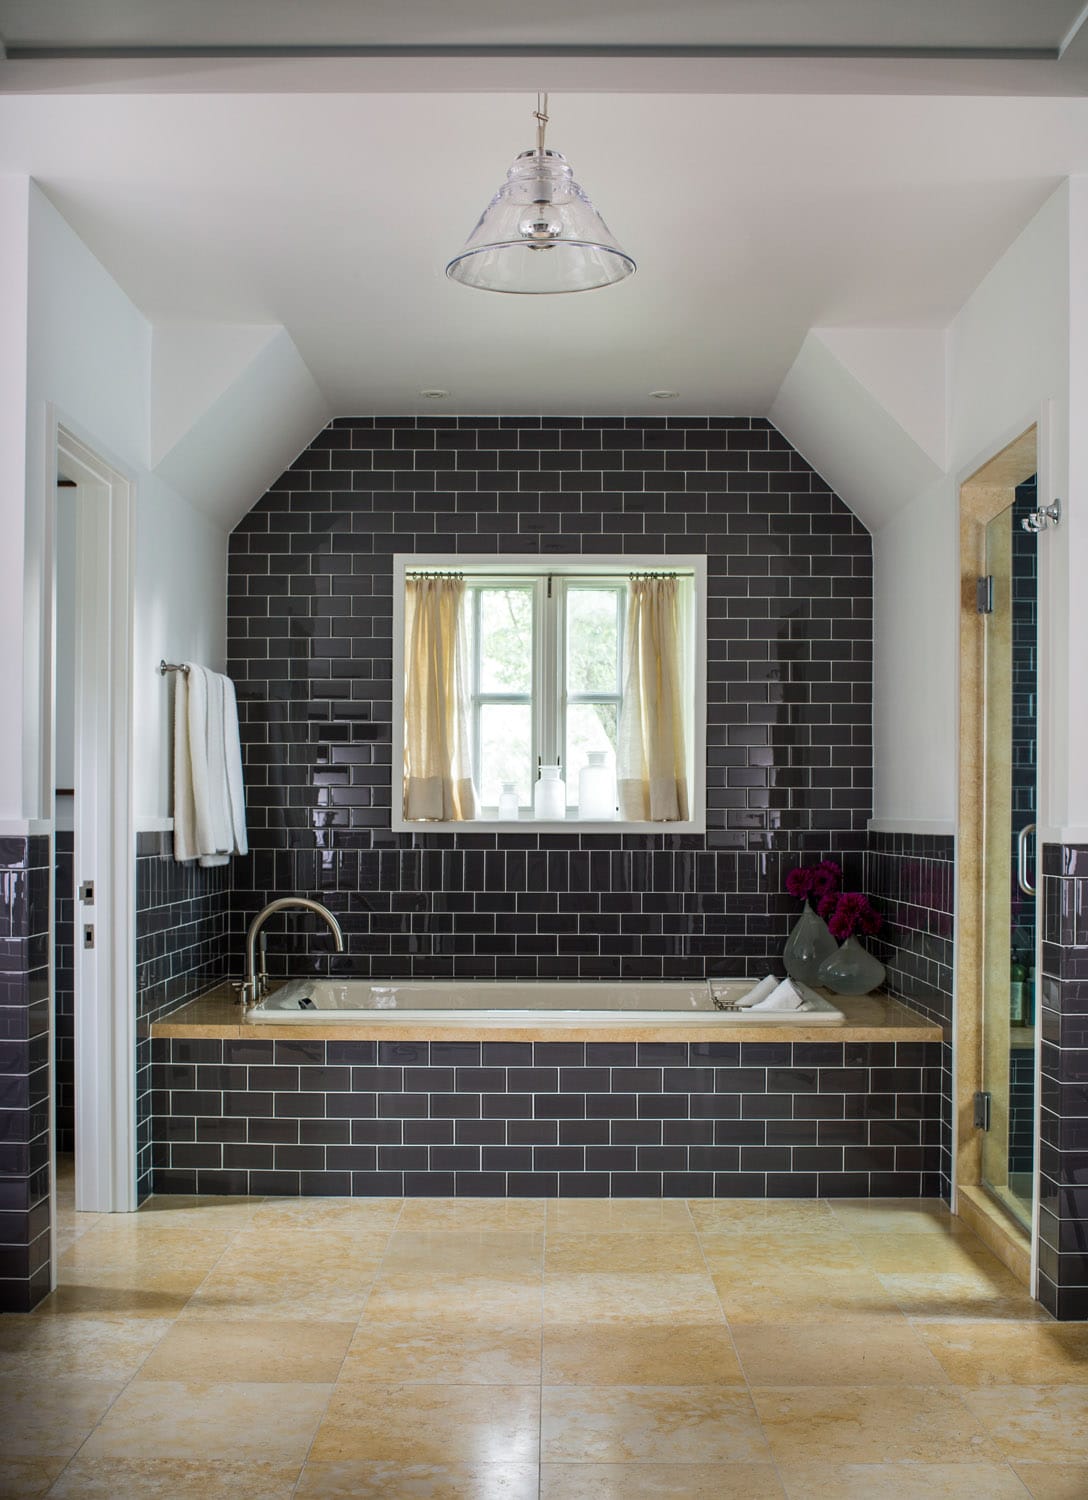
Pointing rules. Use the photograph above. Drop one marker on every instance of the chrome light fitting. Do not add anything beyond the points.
(540, 233)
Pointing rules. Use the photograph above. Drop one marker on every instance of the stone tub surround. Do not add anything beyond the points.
(912, 878)
(24, 1072)
(245, 1112)
(1062, 1012)
(789, 746)
(182, 948)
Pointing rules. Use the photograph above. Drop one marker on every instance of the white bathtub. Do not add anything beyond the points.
(695, 1002)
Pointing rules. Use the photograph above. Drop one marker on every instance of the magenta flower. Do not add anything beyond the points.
(852, 913)
(818, 881)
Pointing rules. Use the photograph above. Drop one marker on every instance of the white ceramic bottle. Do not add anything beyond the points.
(509, 806)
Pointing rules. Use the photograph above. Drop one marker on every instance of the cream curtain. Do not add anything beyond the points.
(651, 760)
(437, 765)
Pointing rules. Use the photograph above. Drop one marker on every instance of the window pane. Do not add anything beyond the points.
(505, 751)
(506, 640)
(593, 628)
(590, 726)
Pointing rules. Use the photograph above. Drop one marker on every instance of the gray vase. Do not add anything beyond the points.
(852, 970)
(807, 946)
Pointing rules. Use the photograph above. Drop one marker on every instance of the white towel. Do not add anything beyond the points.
(764, 988)
(209, 796)
(786, 997)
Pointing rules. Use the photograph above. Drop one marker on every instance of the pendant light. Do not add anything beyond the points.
(540, 233)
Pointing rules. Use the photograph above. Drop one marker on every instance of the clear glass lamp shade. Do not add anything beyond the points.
(540, 233)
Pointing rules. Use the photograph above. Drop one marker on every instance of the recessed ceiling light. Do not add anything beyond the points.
(665, 395)
(435, 393)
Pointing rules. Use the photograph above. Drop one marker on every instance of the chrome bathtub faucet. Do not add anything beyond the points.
(255, 986)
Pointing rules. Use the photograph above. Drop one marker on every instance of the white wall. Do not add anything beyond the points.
(14, 246)
(90, 357)
(1008, 354)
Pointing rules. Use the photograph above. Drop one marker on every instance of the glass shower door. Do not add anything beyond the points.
(1008, 908)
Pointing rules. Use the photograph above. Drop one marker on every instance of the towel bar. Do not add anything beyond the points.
(171, 666)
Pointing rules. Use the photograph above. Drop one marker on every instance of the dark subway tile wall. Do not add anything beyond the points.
(182, 949)
(1062, 1012)
(912, 878)
(789, 749)
(64, 992)
(24, 1072)
(544, 1119)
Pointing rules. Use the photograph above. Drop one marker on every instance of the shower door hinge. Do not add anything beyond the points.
(982, 1110)
(984, 595)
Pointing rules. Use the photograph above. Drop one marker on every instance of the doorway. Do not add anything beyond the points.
(88, 763)
(996, 1067)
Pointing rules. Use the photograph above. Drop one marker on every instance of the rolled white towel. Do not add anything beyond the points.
(786, 997)
(764, 988)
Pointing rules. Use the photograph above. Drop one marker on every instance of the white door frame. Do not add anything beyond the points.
(105, 850)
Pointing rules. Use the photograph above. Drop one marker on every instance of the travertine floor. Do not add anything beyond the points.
(259, 1349)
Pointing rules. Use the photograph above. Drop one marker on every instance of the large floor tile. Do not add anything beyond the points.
(808, 1251)
(856, 1424)
(1054, 1481)
(293, 1247)
(443, 1354)
(642, 1424)
(132, 1291)
(896, 1216)
(901, 1481)
(924, 1254)
(669, 1254)
(484, 1301)
(618, 1216)
(655, 1354)
(465, 1252)
(876, 1352)
(110, 1349)
(734, 1481)
(385, 1481)
(367, 1215)
(604, 1297)
(1048, 1424)
(981, 1354)
(48, 1419)
(236, 1423)
(203, 1212)
(990, 1295)
(421, 1424)
(327, 1293)
(766, 1294)
(765, 1216)
(472, 1213)
(165, 1479)
(250, 1351)
(28, 1478)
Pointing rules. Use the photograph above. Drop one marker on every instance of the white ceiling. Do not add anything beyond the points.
(932, 25)
(753, 219)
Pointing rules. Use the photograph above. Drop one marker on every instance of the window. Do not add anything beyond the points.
(541, 664)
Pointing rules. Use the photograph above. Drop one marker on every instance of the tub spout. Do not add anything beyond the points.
(256, 984)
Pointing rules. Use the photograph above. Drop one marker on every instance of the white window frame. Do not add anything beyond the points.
(572, 567)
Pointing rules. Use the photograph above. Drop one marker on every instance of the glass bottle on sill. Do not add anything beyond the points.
(596, 789)
(509, 804)
(550, 795)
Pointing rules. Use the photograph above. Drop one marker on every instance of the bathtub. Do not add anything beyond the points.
(694, 1002)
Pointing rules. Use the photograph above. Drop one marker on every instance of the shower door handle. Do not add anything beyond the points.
(1022, 859)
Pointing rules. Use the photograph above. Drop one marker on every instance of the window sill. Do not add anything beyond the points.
(546, 825)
